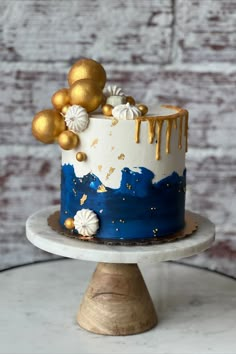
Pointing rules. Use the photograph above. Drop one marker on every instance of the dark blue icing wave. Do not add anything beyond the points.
(138, 209)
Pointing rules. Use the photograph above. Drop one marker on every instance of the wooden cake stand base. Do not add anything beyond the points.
(117, 301)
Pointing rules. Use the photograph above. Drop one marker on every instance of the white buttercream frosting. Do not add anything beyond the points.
(119, 140)
(86, 222)
(76, 118)
(126, 111)
(113, 90)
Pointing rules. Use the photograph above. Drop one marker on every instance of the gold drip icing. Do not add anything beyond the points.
(186, 131)
(137, 130)
(175, 123)
(158, 146)
(180, 131)
(155, 125)
(168, 135)
(151, 130)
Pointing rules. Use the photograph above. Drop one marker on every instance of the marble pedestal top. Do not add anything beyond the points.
(41, 235)
(38, 304)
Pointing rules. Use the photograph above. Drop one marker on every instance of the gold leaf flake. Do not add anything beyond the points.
(111, 170)
(94, 142)
(100, 168)
(114, 122)
(101, 189)
(121, 157)
(83, 199)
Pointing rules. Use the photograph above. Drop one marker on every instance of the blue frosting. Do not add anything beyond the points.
(138, 209)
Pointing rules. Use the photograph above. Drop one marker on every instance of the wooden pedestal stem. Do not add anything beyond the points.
(117, 301)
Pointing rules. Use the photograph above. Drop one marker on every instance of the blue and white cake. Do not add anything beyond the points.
(123, 173)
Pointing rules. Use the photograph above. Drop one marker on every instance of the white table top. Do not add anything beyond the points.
(42, 236)
(38, 306)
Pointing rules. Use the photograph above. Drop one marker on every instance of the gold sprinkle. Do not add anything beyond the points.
(112, 148)
(128, 186)
(83, 199)
(113, 221)
(111, 170)
(121, 157)
(99, 168)
(94, 143)
(114, 122)
(101, 189)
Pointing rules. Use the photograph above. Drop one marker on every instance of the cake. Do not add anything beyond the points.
(123, 175)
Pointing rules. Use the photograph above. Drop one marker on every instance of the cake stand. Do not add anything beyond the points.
(117, 301)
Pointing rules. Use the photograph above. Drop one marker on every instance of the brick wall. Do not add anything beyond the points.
(171, 51)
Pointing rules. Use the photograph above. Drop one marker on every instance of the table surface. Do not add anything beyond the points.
(42, 236)
(38, 306)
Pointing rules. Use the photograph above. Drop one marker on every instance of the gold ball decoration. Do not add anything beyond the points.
(65, 109)
(86, 93)
(68, 140)
(143, 109)
(47, 125)
(107, 110)
(60, 99)
(104, 99)
(87, 69)
(131, 100)
(69, 223)
(81, 156)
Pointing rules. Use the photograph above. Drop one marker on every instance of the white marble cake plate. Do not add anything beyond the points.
(117, 301)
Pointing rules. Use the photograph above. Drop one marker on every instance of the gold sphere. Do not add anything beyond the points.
(65, 108)
(68, 140)
(143, 109)
(86, 93)
(107, 110)
(47, 125)
(69, 223)
(131, 100)
(104, 99)
(87, 69)
(81, 156)
(60, 98)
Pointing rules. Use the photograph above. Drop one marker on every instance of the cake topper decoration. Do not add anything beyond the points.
(87, 69)
(113, 90)
(126, 111)
(86, 222)
(68, 140)
(86, 93)
(47, 125)
(60, 99)
(76, 118)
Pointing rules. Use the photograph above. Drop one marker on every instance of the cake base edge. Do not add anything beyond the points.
(190, 226)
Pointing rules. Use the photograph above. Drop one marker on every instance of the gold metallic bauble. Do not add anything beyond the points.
(107, 110)
(143, 109)
(60, 99)
(65, 108)
(81, 156)
(47, 125)
(86, 93)
(104, 99)
(87, 69)
(68, 140)
(131, 100)
(69, 223)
